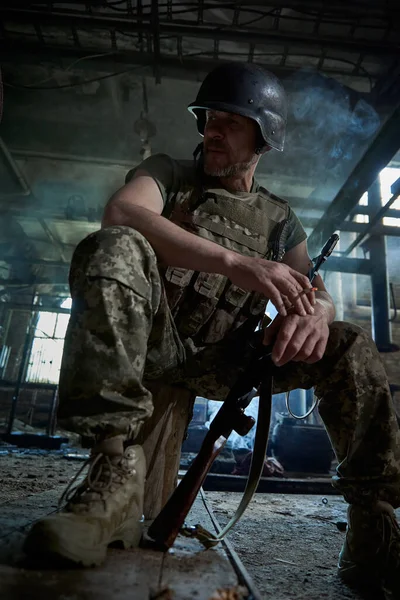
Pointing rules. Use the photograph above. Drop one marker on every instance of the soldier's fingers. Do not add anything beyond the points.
(307, 304)
(293, 347)
(318, 352)
(297, 303)
(304, 296)
(306, 350)
(283, 339)
(291, 289)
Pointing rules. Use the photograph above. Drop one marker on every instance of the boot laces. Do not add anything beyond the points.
(103, 476)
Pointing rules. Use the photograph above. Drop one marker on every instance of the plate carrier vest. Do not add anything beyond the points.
(206, 306)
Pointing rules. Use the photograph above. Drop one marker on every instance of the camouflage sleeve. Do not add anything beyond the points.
(296, 231)
(162, 169)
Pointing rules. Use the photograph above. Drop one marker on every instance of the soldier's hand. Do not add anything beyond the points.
(301, 339)
(280, 283)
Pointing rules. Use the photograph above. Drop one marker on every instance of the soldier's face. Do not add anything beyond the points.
(229, 143)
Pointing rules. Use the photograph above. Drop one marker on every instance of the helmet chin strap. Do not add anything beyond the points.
(198, 151)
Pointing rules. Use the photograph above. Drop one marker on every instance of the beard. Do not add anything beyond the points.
(231, 170)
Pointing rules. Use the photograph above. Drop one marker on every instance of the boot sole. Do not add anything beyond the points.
(45, 547)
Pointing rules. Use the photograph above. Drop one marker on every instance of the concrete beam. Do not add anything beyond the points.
(36, 307)
(394, 213)
(360, 266)
(14, 260)
(386, 230)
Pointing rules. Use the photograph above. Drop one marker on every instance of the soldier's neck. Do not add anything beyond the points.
(242, 182)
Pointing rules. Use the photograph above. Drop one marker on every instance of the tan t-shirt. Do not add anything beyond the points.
(171, 175)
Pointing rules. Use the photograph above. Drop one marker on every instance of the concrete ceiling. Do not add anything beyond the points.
(70, 124)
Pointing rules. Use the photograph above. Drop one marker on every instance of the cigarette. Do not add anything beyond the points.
(290, 309)
(307, 291)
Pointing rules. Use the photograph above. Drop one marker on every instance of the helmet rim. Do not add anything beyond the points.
(277, 121)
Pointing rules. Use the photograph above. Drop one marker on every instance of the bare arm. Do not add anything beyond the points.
(139, 205)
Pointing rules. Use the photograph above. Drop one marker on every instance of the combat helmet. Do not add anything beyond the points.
(248, 90)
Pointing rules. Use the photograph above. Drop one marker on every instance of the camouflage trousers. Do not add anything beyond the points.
(121, 335)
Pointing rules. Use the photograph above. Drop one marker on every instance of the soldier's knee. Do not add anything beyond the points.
(345, 328)
(116, 252)
(344, 334)
(113, 246)
(118, 239)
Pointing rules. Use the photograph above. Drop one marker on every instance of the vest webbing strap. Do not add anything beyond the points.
(225, 231)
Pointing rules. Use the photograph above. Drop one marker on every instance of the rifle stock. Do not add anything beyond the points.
(168, 523)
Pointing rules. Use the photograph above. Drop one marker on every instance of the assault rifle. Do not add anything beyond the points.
(257, 379)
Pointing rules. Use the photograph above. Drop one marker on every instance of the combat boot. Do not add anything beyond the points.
(106, 507)
(371, 553)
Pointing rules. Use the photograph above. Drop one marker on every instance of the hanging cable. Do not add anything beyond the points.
(299, 417)
(392, 294)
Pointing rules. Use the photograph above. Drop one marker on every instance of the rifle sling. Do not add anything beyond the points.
(258, 458)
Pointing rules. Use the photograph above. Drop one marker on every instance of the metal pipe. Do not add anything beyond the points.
(367, 6)
(344, 9)
(51, 424)
(21, 372)
(361, 266)
(380, 316)
(175, 67)
(106, 21)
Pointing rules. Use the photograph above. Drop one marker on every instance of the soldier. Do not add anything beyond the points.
(171, 289)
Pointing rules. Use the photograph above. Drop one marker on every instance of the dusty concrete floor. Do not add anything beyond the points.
(31, 472)
(288, 543)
